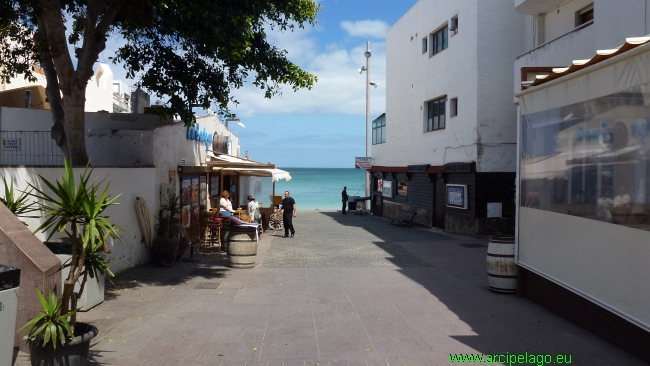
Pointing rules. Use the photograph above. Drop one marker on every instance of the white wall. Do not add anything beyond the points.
(496, 123)
(414, 78)
(99, 92)
(130, 182)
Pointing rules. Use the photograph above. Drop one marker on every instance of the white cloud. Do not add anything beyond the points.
(366, 28)
(340, 88)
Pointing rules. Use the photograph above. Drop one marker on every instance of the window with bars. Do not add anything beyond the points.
(436, 114)
(379, 130)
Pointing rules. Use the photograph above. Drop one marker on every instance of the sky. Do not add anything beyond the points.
(323, 127)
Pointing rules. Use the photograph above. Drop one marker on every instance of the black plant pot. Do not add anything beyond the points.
(72, 353)
(164, 250)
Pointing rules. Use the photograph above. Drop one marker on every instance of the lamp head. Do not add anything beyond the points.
(367, 54)
(362, 69)
(374, 84)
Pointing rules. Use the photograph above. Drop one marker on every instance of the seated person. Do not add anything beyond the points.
(253, 209)
(225, 206)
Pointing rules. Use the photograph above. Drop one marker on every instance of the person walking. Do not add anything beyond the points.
(289, 211)
(344, 198)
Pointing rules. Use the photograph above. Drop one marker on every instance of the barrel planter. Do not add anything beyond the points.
(501, 267)
(242, 246)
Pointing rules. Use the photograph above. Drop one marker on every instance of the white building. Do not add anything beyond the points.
(99, 92)
(450, 125)
(583, 220)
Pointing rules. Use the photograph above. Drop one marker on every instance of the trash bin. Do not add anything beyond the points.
(9, 281)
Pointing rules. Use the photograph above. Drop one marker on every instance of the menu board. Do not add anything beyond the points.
(203, 191)
(195, 201)
(186, 201)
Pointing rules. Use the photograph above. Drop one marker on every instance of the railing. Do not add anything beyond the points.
(29, 148)
(578, 28)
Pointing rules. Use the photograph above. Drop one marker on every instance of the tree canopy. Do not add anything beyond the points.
(186, 52)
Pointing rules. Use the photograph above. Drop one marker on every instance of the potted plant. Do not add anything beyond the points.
(170, 234)
(17, 203)
(77, 209)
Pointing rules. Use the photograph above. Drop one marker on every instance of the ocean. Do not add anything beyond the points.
(320, 188)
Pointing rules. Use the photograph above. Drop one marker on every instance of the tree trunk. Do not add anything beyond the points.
(75, 133)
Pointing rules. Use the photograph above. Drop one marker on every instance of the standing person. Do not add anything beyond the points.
(289, 211)
(225, 206)
(344, 198)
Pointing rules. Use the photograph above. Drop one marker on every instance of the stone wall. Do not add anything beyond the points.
(38, 266)
(423, 216)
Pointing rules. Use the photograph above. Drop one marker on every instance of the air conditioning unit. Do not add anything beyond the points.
(453, 24)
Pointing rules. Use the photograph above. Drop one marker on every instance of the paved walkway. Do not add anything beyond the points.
(347, 290)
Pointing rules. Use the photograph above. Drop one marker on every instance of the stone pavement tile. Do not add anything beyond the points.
(199, 363)
(377, 362)
(231, 363)
(212, 307)
(294, 363)
(286, 319)
(232, 351)
(396, 326)
(413, 361)
(168, 347)
(400, 346)
(288, 348)
(347, 332)
(253, 296)
(333, 348)
(237, 335)
(290, 298)
(288, 332)
(316, 362)
(337, 320)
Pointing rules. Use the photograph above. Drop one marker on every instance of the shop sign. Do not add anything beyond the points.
(457, 196)
(417, 168)
(11, 144)
(197, 134)
(362, 163)
(458, 168)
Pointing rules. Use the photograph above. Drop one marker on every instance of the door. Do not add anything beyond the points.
(439, 202)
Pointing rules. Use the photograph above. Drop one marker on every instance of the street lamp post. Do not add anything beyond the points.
(368, 83)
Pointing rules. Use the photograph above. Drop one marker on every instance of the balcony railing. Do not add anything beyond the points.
(578, 28)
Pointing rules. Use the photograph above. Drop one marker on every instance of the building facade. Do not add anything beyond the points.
(583, 93)
(449, 149)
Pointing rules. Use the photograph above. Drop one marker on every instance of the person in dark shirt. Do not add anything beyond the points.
(288, 213)
(344, 198)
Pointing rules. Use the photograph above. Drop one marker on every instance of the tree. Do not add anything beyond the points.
(187, 52)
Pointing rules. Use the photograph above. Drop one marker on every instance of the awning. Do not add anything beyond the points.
(247, 166)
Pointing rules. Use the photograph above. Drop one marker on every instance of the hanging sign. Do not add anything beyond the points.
(362, 163)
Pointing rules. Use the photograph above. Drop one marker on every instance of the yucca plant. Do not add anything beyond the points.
(77, 208)
(50, 325)
(17, 203)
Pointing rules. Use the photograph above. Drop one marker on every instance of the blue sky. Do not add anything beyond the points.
(324, 127)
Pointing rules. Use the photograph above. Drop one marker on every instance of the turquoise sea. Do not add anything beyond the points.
(320, 188)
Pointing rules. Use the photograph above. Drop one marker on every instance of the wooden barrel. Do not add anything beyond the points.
(501, 267)
(242, 246)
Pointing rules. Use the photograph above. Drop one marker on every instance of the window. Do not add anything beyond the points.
(379, 130)
(402, 185)
(436, 114)
(453, 107)
(425, 41)
(438, 41)
(585, 15)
